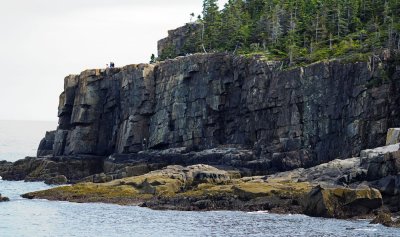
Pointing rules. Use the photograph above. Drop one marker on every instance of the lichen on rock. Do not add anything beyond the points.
(341, 202)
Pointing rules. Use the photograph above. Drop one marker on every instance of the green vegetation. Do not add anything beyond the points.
(152, 58)
(300, 31)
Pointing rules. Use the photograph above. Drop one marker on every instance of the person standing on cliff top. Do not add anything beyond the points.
(112, 65)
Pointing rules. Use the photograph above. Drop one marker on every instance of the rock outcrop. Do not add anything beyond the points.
(197, 187)
(281, 119)
(180, 41)
(59, 170)
(46, 144)
(4, 199)
(393, 136)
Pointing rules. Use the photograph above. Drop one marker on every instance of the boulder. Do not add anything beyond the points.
(4, 199)
(340, 202)
(101, 178)
(57, 180)
(367, 155)
(386, 220)
(383, 164)
(333, 172)
(197, 174)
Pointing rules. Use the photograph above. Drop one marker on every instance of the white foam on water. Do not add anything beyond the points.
(367, 229)
(258, 212)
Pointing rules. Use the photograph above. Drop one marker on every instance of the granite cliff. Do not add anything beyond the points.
(247, 112)
(194, 132)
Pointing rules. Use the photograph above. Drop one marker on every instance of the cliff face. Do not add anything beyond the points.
(286, 118)
(102, 112)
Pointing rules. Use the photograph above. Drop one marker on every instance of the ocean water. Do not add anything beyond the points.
(21, 217)
(19, 139)
(36, 218)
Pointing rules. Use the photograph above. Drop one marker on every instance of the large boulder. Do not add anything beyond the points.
(367, 155)
(196, 174)
(333, 172)
(383, 164)
(340, 202)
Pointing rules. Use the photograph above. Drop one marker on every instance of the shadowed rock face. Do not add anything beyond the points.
(46, 144)
(287, 119)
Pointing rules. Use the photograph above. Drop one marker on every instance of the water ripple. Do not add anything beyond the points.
(21, 217)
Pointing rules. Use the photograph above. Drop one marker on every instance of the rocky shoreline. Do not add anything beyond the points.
(358, 187)
(226, 132)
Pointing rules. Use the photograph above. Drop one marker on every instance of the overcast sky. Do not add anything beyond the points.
(42, 41)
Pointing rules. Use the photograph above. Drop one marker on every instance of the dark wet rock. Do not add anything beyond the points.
(386, 220)
(341, 202)
(390, 188)
(389, 185)
(51, 170)
(4, 199)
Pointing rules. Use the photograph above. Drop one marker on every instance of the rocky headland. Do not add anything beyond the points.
(220, 131)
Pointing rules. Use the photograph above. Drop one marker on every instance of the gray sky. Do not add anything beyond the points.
(42, 41)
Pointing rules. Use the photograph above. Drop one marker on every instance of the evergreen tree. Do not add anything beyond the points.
(300, 29)
(212, 24)
(152, 58)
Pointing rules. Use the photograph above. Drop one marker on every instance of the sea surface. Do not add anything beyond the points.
(19, 139)
(36, 218)
(21, 217)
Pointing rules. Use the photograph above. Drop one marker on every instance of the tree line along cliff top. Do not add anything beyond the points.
(295, 31)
